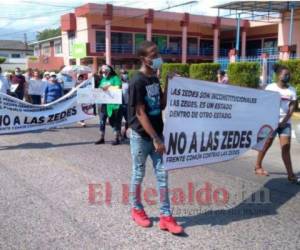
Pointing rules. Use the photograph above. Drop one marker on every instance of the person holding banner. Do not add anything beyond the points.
(36, 88)
(19, 82)
(287, 106)
(53, 90)
(110, 79)
(146, 102)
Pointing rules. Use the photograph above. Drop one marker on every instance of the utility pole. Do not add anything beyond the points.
(25, 40)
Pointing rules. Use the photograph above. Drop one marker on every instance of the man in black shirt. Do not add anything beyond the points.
(146, 102)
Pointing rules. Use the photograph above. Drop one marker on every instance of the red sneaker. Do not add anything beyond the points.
(169, 223)
(140, 217)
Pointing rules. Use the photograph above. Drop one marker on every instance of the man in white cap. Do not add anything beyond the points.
(46, 76)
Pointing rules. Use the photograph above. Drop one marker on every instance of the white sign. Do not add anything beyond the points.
(99, 96)
(208, 122)
(13, 87)
(69, 84)
(18, 116)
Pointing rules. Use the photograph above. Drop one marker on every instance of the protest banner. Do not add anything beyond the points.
(19, 116)
(99, 96)
(208, 122)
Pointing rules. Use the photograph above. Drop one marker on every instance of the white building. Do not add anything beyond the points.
(15, 53)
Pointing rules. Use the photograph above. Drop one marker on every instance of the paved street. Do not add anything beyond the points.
(44, 198)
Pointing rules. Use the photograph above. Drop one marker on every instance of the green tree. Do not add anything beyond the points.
(47, 33)
(2, 59)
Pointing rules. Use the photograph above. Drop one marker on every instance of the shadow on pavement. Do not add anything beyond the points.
(42, 145)
(275, 193)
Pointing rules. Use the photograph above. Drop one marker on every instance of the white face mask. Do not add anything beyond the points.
(156, 63)
(125, 77)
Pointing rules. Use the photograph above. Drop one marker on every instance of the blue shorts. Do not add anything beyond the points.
(286, 130)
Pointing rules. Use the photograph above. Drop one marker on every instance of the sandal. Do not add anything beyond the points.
(261, 172)
(294, 180)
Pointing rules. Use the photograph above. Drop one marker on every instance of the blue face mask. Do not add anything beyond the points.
(156, 63)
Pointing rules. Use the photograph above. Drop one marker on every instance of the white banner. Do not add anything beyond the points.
(208, 122)
(99, 96)
(19, 116)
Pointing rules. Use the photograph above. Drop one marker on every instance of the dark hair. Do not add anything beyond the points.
(144, 46)
(279, 68)
(80, 76)
(112, 72)
(221, 72)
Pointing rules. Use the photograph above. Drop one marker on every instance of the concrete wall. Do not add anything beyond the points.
(65, 47)
(12, 66)
(283, 30)
(47, 63)
(8, 53)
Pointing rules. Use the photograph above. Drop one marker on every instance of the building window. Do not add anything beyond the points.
(225, 47)
(175, 45)
(270, 46)
(206, 47)
(36, 51)
(15, 55)
(57, 48)
(46, 50)
(100, 41)
(192, 46)
(121, 43)
(270, 43)
(161, 42)
(71, 37)
(138, 39)
(253, 47)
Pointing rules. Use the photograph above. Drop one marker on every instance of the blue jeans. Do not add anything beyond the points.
(286, 130)
(115, 120)
(102, 117)
(141, 148)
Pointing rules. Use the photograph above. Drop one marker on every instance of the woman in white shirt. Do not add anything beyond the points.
(287, 106)
(36, 88)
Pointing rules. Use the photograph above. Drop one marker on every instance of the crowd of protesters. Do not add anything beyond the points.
(37, 88)
(31, 86)
(141, 109)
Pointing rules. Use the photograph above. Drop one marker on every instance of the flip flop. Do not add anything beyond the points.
(261, 172)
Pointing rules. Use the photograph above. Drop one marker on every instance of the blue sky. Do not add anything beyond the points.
(28, 16)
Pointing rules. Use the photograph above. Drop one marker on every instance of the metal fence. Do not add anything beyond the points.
(271, 60)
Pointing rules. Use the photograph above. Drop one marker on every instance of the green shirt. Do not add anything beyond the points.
(112, 81)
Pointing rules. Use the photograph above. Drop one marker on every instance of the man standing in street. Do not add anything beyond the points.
(19, 81)
(146, 102)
